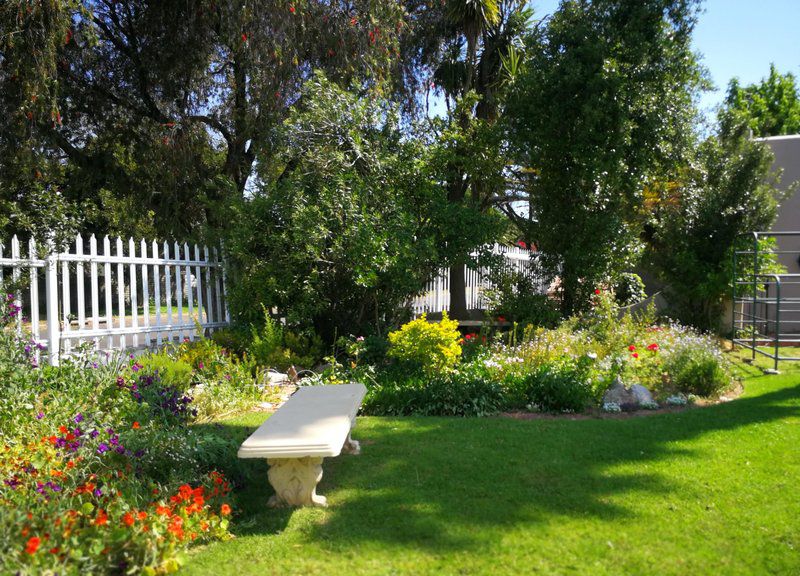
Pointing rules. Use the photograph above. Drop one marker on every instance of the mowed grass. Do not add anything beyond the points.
(714, 490)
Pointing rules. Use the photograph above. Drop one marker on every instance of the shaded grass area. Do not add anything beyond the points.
(711, 490)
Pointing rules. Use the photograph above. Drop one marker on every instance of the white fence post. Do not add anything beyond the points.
(51, 295)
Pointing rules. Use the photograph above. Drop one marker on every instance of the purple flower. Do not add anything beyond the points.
(119, 450)
(78, 418)
(12, 482)
(94, 364)
(136, 366)
(40, 415)
(97, 492)
(94, 434)
(102, 448)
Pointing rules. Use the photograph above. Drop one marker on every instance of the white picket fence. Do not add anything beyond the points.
(436, 295)
(152, 294)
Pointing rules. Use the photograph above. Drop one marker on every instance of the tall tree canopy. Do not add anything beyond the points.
(769, 108)
(167, 106)
(602, 107)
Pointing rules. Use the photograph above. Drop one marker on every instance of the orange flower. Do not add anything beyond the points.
(136, 426)
(141, 515)
(128, 519)
(33, 545)
(63, 429)
(163, 510)
(225, 510)
(102, 518)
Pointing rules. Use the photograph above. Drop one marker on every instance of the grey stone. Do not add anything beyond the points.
(642, 394)
(620, 395)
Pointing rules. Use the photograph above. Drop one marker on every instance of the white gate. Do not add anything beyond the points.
(113, 297)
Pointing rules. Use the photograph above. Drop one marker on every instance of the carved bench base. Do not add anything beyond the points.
(295, 479)
(295, 482)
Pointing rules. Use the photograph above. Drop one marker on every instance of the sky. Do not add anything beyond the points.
(737, 38)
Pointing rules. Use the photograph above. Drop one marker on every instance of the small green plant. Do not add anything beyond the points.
(433, 346)
(172, 371)
(629, 289)
(562, 386)
(697, 370)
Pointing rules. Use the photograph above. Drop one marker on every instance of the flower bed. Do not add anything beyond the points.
(101, 470)
(566, 369)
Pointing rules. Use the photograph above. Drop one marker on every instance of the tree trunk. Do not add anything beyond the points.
(458, 292)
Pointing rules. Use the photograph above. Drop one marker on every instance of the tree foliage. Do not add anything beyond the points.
(769, 108)
(347, 223)
(727, 191)
(602, 106)
(167, 106)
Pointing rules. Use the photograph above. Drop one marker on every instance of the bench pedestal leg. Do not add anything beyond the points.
(295, 481)
(351, 446)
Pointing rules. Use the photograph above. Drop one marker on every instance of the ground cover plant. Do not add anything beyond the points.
(698, 491)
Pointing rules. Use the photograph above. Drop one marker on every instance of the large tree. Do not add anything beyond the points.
(167, 106)
(770, 107)
(603, 107)
(457, 50)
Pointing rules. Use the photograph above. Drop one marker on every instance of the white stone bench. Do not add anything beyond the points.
(313, 424)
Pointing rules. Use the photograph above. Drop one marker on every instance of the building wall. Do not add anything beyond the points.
(787, 158)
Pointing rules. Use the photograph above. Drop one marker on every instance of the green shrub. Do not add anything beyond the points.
(697, 370)
(433, 346)
(629, 289)
(562, 386)
(274, 347)
(451, 394)
(172, 371)
(516, 299)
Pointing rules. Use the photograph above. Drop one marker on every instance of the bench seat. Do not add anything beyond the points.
(315, 423)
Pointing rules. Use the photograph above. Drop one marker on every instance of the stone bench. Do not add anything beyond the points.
(313, 424)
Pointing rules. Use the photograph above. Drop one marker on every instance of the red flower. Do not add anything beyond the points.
(63, 429)
(128, 519)
(135, 426)
(522, 244)
(501, 318)
(635, 354)
(33, 545)
(597, 291)
(225, 510)
(653, 347)
(291, 9)
(631, 348)
(244, 37)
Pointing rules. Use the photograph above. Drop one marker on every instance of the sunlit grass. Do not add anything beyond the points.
(706, 491)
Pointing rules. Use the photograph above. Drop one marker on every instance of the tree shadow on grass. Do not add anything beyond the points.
(418, 477)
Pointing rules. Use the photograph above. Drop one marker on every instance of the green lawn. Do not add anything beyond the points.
(706, 491)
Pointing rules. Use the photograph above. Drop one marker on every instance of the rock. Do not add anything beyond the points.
(618, 394)
(628, 399)
(642, 395)
(277, 378)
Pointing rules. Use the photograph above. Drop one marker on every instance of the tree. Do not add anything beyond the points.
(602, 106)
(725, 192)
(769, 108)
(458, 48)
(169, 105)
(32, 36)
(347, 222)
